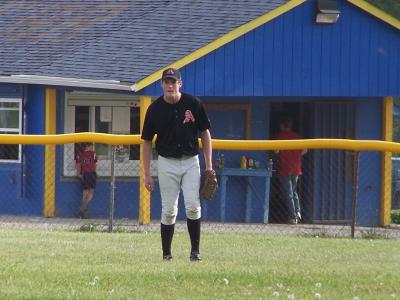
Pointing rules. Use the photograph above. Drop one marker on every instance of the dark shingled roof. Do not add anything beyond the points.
(113, 40)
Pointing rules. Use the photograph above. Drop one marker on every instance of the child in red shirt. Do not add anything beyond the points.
(86, 170)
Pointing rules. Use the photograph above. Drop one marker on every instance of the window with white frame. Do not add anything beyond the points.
(10, 123)
(103, 113)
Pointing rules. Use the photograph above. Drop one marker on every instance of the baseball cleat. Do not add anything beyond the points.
(195, 256)
(167, 257)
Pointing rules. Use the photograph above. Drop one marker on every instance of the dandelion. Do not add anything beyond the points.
(226, 281)
(318, 285)
(356, 298)
(275, 294)
(291, 296)
(95, 281)
(317, 296)
(279, 285)
(393, 296)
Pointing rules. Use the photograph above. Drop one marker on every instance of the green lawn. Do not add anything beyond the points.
(94, 265)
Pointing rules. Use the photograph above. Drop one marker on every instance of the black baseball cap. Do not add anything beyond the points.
(171, 73)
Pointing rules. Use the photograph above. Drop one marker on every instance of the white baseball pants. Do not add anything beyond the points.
(175, 174)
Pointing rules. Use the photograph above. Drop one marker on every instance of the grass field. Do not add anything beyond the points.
(93, 265)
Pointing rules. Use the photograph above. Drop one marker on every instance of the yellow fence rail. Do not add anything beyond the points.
(114, 139)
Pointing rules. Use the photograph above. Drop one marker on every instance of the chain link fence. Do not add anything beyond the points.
(339, 192)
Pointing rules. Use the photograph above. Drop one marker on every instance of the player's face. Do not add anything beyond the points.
(171, 87)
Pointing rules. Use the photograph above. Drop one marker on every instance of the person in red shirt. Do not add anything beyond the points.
(289, 169)
(86, 170)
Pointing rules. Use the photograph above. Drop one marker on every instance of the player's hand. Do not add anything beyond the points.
(149, 183)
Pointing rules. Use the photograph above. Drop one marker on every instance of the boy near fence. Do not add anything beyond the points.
(86, 170)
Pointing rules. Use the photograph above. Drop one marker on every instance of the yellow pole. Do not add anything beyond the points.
(386, 189)
(144, 199)
(50, 155)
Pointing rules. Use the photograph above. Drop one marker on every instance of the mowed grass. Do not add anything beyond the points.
(94, 265)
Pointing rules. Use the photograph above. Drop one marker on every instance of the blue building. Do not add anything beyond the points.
(77, 67)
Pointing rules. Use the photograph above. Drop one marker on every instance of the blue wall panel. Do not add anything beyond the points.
(267, 66)
(189, 78)
(199, 78)
(33, 155)
(297, 72)
(220, 80)
(287, 50)
(277, 56)
(238, 66)
(248, 66)
(258, 57)
(229, 78)
(209, 74)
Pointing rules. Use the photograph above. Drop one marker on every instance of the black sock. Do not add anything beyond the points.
(167, 232)
(194, 233)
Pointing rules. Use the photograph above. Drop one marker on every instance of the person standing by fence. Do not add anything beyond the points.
(178, 119)
(289, 169)
(86, 170)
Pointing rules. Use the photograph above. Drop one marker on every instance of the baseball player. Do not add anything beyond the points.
(178, 119)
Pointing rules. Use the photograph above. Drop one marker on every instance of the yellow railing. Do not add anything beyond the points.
(113, 139)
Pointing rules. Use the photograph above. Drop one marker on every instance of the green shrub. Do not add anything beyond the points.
(396, 216)
(88, 227)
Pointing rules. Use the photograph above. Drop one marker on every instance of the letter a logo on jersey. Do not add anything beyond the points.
(188, 117)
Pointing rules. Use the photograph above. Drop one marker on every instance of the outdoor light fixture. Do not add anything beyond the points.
(327, 12)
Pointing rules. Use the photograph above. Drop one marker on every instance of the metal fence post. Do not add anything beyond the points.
(112, 190)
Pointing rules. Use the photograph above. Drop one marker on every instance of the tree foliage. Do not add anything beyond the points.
(392, 7)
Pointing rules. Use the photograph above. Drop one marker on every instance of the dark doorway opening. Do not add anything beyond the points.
(278, 210)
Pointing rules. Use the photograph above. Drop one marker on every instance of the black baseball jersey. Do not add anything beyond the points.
(177, 125)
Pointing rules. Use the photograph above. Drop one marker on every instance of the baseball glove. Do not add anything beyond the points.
(208, 184)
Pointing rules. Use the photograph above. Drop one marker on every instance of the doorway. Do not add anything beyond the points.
(326, 186)
(294, 110)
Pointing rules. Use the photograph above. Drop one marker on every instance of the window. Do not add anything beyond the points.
(103, 113)
(10, 123)
(229, 120)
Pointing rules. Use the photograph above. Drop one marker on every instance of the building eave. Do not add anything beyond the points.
(70, 82)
